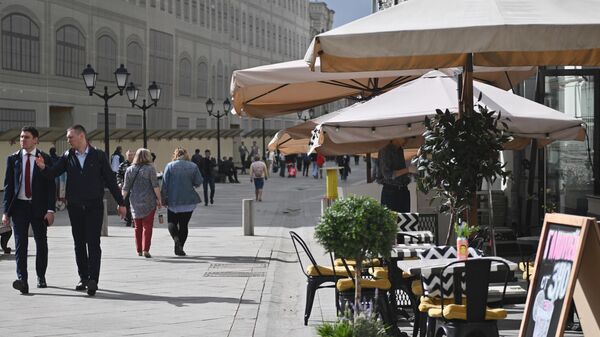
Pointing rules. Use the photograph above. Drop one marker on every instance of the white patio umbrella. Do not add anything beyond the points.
(445, 33)
(282, 88)
(400, 113)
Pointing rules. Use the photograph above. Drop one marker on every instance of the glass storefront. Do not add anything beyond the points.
(569, 173)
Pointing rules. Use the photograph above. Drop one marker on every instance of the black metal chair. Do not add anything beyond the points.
(316, 275)
(473, 318)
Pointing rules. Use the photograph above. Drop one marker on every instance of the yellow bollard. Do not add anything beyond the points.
(331, 183)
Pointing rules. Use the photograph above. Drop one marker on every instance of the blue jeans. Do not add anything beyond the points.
(205, 183)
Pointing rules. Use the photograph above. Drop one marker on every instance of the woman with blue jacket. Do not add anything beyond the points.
(180, 178)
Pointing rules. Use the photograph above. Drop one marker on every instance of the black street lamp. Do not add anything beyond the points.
(132, 94)
(302, 116)
(89, 77)
(209, 107)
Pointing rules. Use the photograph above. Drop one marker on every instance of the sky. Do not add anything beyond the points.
(348, 10)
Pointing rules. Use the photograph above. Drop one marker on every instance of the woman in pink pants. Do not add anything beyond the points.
(144, 196)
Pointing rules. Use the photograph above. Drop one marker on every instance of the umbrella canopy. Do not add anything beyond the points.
(400, 114)
(441, 33)
(282, 88)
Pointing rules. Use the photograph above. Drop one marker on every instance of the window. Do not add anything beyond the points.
(178, 9)
(225, 19)
(153, 3)
(213, 78)
(170, 6)
(183, 123)
(185, 77)
(162, 5)
(220, 17)
(160, 48)
(202, 86)
(186, 10)
(263, 37)
(112, 120)
(202, 13)
(226, 83)
(251, 31)
(133, 122)
(213, 15)
(243, 27)
(194, 11)
(257, 33)
(135, 63)
(237, 24)
(200, 123)
(70, 51)
(20, 44)
(15, 118)
(220, 80)
(107, 58)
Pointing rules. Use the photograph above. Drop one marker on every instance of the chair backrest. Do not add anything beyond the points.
(297, 241)
(438, 285)
(407, 238)
(475, 275)
(408, 222)
(429, 222)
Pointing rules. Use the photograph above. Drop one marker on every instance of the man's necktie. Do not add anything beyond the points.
(28, 176)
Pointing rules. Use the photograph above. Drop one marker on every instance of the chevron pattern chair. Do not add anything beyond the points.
(472, 317)
(408, 222)
(317, 275)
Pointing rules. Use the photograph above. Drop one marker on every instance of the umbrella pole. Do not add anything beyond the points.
(491, 208)
(369, 177)
(466, 106)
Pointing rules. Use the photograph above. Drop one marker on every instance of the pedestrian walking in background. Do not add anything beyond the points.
(306, 164)
(116, 159)
(282, 165)
(243, 150)
(180, 178)
(120, 181)
(197, 158)
(141, 188)
(299, 162)
(270, 159)
(315, 168)
(344, 164)
(254, 150)
(320, 163)
(356, 159)
(29, 198)
(207, 169)
(258, 174)
(230, 170)
(88, 172)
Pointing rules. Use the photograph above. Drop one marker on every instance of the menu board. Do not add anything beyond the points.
(566, 270)
(554, 270)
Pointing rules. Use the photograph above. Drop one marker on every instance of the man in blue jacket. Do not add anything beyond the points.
(29, 198)
(88, 171)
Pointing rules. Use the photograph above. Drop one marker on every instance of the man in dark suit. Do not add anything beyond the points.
(88, 171)
(29, 198)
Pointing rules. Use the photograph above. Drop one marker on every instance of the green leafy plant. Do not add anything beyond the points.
(365, 324)
(458, 154)
(357, 228)
(463, 230)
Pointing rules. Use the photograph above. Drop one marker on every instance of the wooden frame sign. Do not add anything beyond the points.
(566, 268)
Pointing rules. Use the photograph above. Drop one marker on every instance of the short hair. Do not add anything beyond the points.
(207, 150)
(79, 129)
(180, 152)
(131, 151)
(197, 151)
(34, 132)
(257, 158)
(153, 156)
(142, 157)
(230, 158)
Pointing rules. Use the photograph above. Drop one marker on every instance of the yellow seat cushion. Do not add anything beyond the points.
(426, 303)
(379, 272)
(328, 271)
(416, 287)
(455, 311)
(351, 262)
(348, 284)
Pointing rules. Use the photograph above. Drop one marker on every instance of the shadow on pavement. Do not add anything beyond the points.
(178, 301)
(220, 259)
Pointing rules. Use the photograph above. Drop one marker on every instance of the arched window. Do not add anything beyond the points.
(213, 77)
(226, 83)
(135, 63)
(20, 44)
(202, 80)
(70, 51)
(106, 50)
(185, 77)
(220, 80)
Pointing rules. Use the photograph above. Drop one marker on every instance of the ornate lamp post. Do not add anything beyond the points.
(226, 107)
(132, 94)
(89, 78)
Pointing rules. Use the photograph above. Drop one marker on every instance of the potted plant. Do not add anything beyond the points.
(463, 232)
(457, 155)
(358, 228)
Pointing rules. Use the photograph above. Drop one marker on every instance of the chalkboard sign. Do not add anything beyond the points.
(557, 270)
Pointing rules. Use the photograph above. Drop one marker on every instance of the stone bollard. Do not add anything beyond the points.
(104, 231)
(248, 217)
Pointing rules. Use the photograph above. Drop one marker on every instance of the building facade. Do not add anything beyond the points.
(189, 47)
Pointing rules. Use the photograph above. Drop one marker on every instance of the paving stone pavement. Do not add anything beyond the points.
(229, 285)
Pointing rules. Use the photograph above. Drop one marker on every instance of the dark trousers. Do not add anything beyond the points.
(23, 216)
(243, 159)
(4, 238)
(396, 198)
(208, 181)
(86, 225)
(128, 217)
(178, 225)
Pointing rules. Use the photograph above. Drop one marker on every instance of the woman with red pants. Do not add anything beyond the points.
(142, 185)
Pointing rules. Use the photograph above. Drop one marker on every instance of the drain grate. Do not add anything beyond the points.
(236, 270)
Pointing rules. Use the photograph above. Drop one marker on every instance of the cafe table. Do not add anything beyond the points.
(417, 267)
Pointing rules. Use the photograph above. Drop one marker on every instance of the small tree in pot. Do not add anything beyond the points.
(457, 155)
(357, 227)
